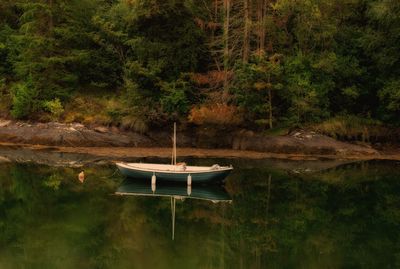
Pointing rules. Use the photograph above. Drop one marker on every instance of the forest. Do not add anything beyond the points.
(255, 64)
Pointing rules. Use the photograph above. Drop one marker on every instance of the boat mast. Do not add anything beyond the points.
(174, 146)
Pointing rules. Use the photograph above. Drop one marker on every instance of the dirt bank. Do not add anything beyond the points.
(102, 141)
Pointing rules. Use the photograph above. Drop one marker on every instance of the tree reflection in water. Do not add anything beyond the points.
(348, 216)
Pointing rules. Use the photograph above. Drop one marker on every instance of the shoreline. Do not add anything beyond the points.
(110, 143)
(141, 152)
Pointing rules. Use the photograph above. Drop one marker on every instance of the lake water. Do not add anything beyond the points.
(280, 216)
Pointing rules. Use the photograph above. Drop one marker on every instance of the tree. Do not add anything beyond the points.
(46, 52)
(381, 44)
(254, 85)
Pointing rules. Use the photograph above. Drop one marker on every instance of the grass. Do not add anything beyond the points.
(353, 128)
(101, 110)
(88, 110)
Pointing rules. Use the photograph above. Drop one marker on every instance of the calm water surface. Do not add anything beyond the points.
(343, 217)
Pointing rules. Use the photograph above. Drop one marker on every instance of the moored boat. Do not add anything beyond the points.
(175, 173)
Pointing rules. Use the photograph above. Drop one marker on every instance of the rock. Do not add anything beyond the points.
(77, 135)
(58, 134)
(4, 159)
(77, 125)
(115, 130)
(72, 129)
(4, 123)
(298, 143)
(101, 129)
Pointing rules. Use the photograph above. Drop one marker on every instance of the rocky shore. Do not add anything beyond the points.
(77, 138)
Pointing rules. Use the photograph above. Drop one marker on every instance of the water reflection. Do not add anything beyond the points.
(137, 187)
(134, 187)
(343, 217)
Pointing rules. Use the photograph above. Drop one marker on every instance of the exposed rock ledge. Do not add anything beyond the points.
(77, 135)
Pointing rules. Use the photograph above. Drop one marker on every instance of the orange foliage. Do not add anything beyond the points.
(213, 25)
(219, 114)
(199, 23)
(206, 25)
(213, 77)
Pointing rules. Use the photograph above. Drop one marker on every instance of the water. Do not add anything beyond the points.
(286, 217)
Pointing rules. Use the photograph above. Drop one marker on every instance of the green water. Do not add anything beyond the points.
(343, 217)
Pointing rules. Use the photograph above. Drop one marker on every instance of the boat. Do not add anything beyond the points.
(174, 172)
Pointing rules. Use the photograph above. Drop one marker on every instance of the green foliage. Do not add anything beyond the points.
(53, 48)
(24, 100)
(154, 46)
(53, 182)
(252, 83)
(55, 108)
(174, 100)
(320, 59)
(94, 109)
(41, 56)
(390, 98)
(382, 34)
(141, 91)
(381, 44)
(390, 95)
(305, 91)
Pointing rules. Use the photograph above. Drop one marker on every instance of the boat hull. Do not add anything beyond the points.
(203, 177)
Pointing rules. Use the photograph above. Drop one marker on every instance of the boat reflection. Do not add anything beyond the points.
(212, 193)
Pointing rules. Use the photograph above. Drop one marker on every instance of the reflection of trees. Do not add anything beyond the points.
(313, 223)
(45, 227)
(344, 217)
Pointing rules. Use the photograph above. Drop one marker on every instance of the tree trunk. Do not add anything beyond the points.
(213, 37)
(214, 19)
(263, 27)
(270, 103)
(51, 23)
(246, 30)
(227, 7)
(261, 31)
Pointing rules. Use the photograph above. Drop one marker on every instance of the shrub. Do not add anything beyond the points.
(53, 182)
(55, 108)
(114, 110)
(218, 114)
(174, 100)
(23, 100)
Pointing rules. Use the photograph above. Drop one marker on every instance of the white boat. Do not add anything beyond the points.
(177, 172)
